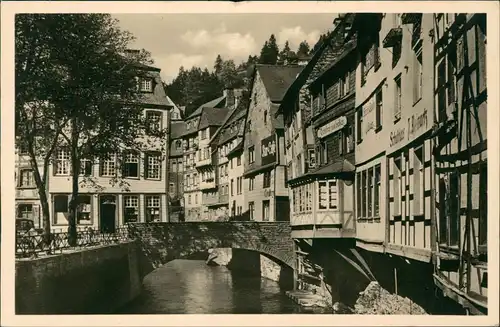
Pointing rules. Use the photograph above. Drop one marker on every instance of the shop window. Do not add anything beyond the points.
(84, 211)
(130, 208)
(60, 208)
(153, 208)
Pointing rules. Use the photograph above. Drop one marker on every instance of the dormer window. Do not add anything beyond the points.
(146, 85)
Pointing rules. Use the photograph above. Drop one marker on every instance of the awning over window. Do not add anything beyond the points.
(335, 169)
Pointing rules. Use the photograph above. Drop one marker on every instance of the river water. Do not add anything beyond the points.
(192, 287)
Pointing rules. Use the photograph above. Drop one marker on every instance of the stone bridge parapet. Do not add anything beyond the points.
(164, 242)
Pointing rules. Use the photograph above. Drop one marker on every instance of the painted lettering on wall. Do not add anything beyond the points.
(416, 122)
(332, 127)
(397, 136)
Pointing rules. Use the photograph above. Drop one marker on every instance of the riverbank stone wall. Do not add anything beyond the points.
(90, 281)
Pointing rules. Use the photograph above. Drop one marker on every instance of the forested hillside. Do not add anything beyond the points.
(195, 86)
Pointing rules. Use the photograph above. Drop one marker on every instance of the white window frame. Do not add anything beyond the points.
(63, 162)
(154, 120)
(108, 167)
(131, 158)
(152, 207)
(83, 166)
(146, 85)
(251, 154)
(131, 202)
(153, 166)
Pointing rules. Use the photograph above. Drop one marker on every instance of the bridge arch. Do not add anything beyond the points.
(160, 243)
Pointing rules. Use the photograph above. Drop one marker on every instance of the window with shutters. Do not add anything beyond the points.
(153, 166)
(153, 208)
(130, 208)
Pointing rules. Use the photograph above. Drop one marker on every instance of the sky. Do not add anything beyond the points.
(188, 40)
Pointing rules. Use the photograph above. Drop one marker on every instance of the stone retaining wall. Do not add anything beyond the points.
(97, 280)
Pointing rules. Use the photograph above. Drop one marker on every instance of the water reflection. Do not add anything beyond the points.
(192, 287)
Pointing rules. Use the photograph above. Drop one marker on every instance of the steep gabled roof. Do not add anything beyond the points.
(212, 117)
(158, 96)
(210, 104)
(277, 79)
(177, 129)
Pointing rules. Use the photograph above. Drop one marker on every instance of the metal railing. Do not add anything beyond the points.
(32, 246)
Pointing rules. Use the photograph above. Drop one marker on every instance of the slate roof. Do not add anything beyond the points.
(177, 129)
(158, 96)
(277, 79)
(210, 104)
(212, 117)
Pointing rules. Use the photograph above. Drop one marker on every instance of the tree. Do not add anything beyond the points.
(303, 49)
(269, 52)
(218, 64)
(76, 89)
(283, 55)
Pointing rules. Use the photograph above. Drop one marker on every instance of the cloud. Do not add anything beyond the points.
(171, 63)
(295, 35)
(232, 45)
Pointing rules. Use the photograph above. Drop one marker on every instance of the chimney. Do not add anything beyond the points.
(230, 99)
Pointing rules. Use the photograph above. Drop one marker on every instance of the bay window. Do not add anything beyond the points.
(333, 194)
(322, 195)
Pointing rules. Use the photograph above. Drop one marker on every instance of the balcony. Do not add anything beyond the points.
(208, 184)
(203, 162)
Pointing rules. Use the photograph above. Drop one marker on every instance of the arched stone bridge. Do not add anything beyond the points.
(164, 242)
